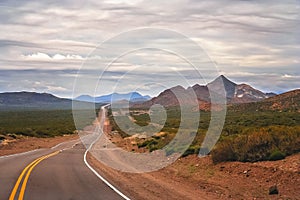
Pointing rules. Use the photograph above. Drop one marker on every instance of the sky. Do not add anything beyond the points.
(75, 47)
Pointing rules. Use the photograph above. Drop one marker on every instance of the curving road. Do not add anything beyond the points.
(63, 175)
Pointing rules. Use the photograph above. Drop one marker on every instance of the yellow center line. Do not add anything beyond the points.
(22, 191)
(14, 191)
(30, 167)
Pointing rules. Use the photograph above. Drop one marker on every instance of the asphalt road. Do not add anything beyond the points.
(63, 176)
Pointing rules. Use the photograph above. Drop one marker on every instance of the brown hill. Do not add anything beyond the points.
(288, 101)
(221, 86)
(170, 98)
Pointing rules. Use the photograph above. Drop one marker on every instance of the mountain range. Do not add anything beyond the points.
(239, 96)
(46, 101)
(222, 86)
(131, 96)
(288, 101)
(34, 101)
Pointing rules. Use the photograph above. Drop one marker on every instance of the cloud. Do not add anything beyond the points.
(54, 89)
(30, 80)
(37, 56)
(251, 41)
(45, 57)
(289, 76)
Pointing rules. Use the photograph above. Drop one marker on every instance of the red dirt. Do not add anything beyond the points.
(198, 178)
(23, 144)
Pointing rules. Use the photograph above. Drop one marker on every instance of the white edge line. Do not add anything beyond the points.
(99, 176)
(71, 146)
(103, 179)
(57, 145)
(34, 150)
(64, 143)
(19, 154)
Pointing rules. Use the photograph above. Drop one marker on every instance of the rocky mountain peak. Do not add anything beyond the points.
(219, 84)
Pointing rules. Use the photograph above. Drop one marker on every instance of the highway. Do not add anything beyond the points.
(58, 173)
(63, 175)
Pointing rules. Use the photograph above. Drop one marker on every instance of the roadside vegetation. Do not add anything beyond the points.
(258, 144)
(247, 136)
(38, 123)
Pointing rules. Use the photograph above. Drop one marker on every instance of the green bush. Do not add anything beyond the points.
(223, 152)
(247, 136)
(37, 123)
(194, 150)
(258, 145)
(277, 155)
(147, 143)
(152, 148)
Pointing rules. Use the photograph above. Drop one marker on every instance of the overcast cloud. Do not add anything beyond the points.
(44, 43)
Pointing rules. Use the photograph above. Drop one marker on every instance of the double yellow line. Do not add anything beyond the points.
(28, 169)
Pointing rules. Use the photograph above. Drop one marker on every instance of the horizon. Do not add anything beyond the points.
(249, 41)
(127, 92)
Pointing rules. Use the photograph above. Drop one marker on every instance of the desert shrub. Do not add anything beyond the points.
(169, 151)
(223, 152)
(148, 143)
(191, 150)
(13, 136)
(152, 148)
(143, 144)
(115, 127)
(141, 119)
(262, 144)
(277, 155)
(253, 147)
(37, 123)
(247, 136)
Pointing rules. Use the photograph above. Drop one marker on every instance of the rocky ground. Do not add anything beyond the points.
(198, 178)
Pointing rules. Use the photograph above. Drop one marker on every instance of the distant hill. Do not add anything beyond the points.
(114, 97)
(237, 93)
(288, 101)
(33, 100)
(234, 93)
(45, 101)
(86, 98)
